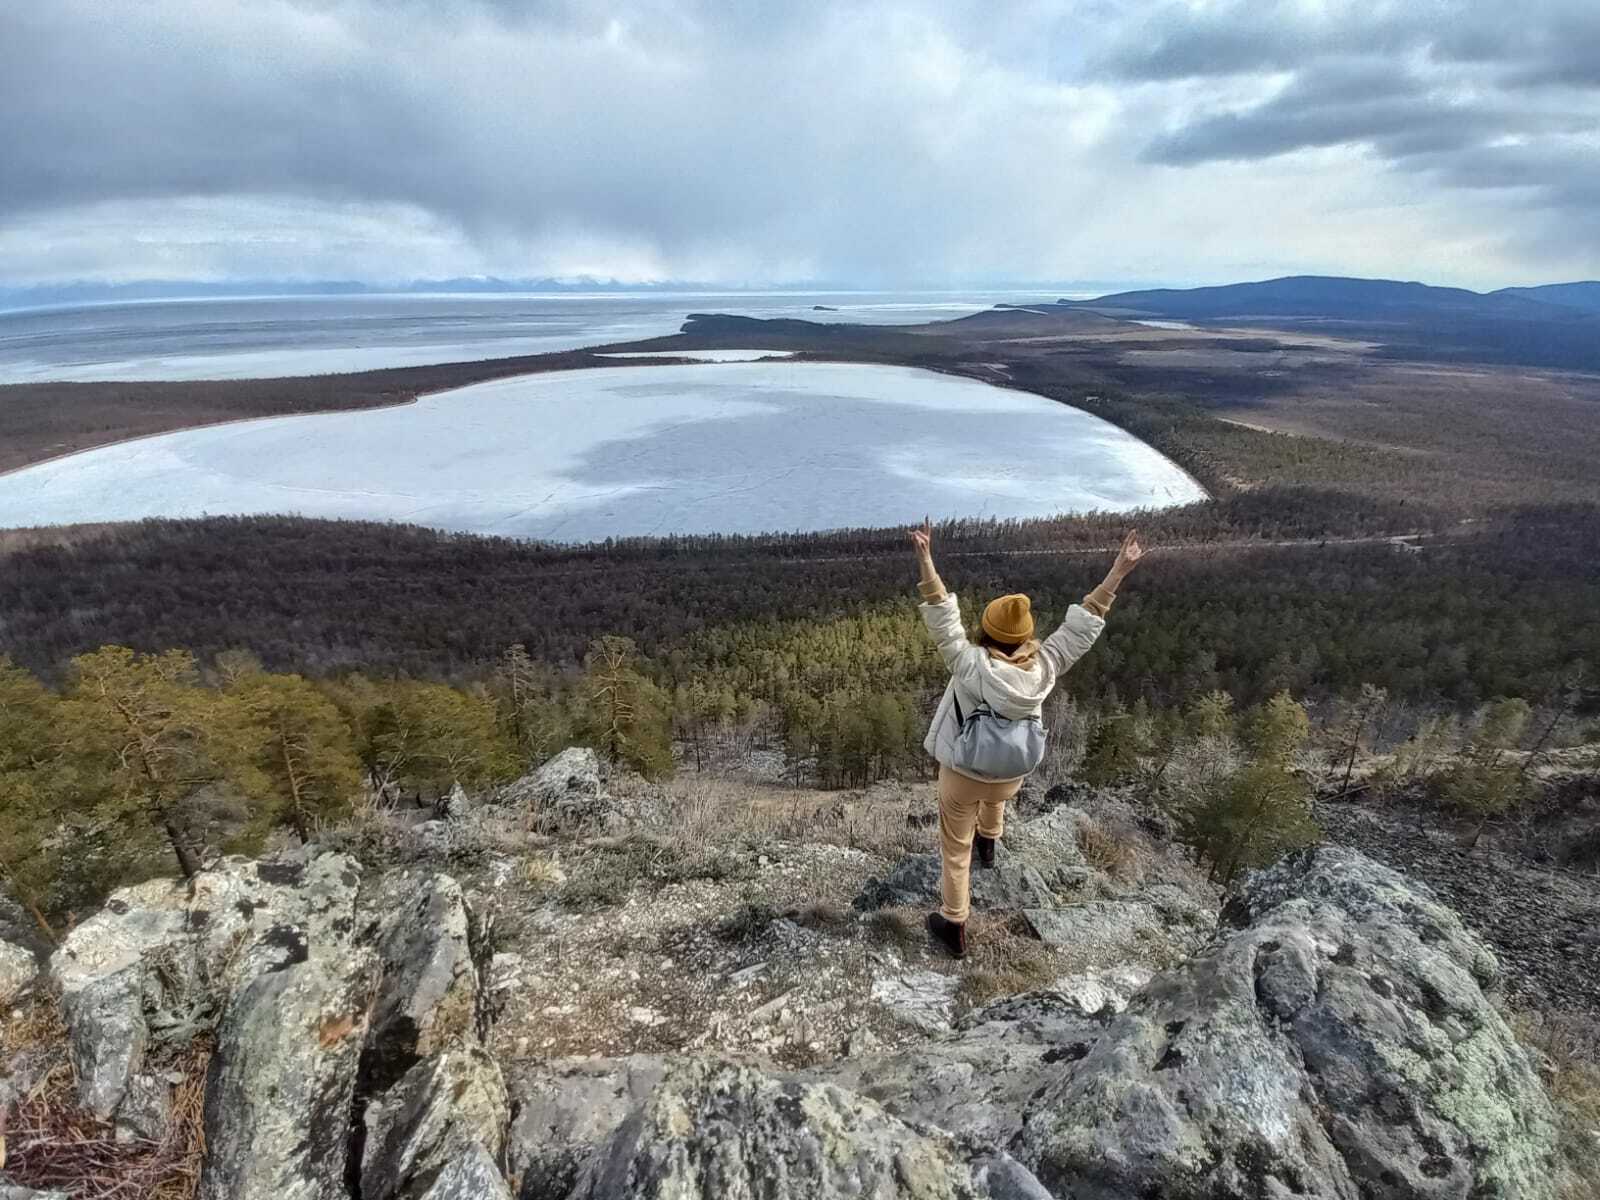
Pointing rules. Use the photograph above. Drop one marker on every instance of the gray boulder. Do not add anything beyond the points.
(1335, 1042)
(446, 1109)
(976, 1081)
(22, 1193)
(1049, 843)
(455, 806)
(1099, 926)
(278, 1094)
(914, 882)
(145, 1113)
(471, 1175)
(565, 1110)
(568, 790)
(161, 957)
(433, 954)
(715, 1129)
(18, 969)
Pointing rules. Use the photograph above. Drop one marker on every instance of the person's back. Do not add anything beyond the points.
(987, 732)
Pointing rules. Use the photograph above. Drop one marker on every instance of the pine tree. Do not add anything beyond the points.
(34, 791)
(1114, 748)
(1261, 814)
(303, 762)
(1483, 781)
(156, 736)
(1277, 729)
(626, 715)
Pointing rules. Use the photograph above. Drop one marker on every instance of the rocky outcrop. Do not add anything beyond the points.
(433, 954)
(430, 1107)
(161, 958)
(18, 969)
(565, 1111)
(1331, 1040)
(1040, 871)
(278, 1094)
(977, 1079)
(567, 791)
(1335, 1041)
(914, 883)
(326, 1028)
(715, 1129)
(447, 1109)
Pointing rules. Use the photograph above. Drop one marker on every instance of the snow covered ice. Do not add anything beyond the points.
(620, 451)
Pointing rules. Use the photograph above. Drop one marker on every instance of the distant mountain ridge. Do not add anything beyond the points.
(1342, 297)
(1584, 295)
(1554, 326)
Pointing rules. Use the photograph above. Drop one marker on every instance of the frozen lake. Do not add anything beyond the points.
(261, 337)
(619, 451)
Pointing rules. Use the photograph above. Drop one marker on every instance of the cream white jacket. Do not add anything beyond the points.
(977, 676)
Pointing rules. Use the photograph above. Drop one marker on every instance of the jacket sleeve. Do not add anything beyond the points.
(1073, 638)
(943, 618)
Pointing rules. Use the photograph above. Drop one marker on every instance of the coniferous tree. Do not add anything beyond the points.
(156, 736)
(303, 768)
(1113, 753)
(625, 714)
(34, 791)
(1483, 780)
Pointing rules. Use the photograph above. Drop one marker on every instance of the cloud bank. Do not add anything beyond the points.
(391, 140)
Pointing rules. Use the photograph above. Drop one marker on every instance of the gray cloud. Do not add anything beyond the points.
(1444, 93)
(912, 141)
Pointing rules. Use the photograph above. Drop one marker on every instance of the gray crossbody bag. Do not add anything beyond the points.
(990, 746)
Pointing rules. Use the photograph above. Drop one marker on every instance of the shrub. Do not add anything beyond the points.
(1566, 1046)
(1260, 814)
(1112, 849)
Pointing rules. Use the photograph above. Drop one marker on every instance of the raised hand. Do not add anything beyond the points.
(922, 539)
(1128, 557)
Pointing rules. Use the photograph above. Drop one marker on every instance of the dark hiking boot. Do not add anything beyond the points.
(983, 850)
(951, 936)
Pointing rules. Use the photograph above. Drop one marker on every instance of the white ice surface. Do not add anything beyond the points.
(261, 337)
(710, 356)
(616, 451)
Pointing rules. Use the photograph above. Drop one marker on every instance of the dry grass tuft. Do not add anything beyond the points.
(824, 915)
(49, 1144)
(901, 927)
(1111, 848)
(1566, 1048)
(1003, 958)
(540, 871)
(36, 1026)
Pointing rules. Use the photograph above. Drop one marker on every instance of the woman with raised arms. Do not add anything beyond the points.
(988, 732)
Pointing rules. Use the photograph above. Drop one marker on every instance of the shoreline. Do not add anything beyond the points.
(597, 362)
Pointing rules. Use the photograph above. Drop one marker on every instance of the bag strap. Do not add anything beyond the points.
(961, 717)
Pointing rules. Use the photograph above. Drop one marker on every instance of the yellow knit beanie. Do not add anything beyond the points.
(1009, 619)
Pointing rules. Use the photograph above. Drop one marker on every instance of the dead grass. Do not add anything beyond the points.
(701, 809)
(1003, 958)
(1566, 1047)
(49, 1144)
(898, 927)
(603, 871)
(1111, 847)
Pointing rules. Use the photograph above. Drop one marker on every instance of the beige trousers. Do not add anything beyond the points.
(966, 806)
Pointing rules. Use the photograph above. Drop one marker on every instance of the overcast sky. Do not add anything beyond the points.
(744, 142)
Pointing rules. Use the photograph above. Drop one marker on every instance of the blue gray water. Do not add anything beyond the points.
(314, 335)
